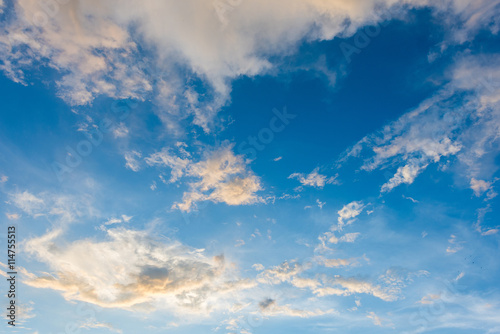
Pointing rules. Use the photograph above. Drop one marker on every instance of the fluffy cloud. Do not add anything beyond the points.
(95, 50)
(131, 269)
(313, 179)
(222, 178)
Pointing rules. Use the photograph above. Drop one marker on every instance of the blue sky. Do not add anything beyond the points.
(299, 166)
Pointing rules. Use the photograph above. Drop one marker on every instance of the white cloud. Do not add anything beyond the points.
(96, 52)
(25, 311)
(410, 198)
(131, 269)
(120, 131)
(28, 202)
(461, 120)
(334, 263)
(490, 231)
(113, 221)
(341, 286)
(348, 213)
(270, 307)
(313, 179)
(131, 161)
(454, 246)
(12, 216)
(429, 299)
(4, 178)
(320, 204)
(222, 178)
(405, 174)
(349, 237)
(479, 186)
(258, 267)
(97, 325)
(285, 272)
(330, 238)
(377, 321)
(165, 158)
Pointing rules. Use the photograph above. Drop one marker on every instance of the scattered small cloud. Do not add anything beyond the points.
(490, 232)
(314, 179)
(258, 267)
(120, 131)
(320, 204)
(377, 321)
(335, 263)
(93, 324)
(405, 174)
(270, 307)
(166, 158)
(455, 245)
(13, 216)
(28, 202)
(429, 299)
(348, 213)
(131, 160)
(411, 199)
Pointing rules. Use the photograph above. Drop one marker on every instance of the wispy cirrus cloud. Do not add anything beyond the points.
(130, 269)
(461, 121)
(270, 307)
(314, 179)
